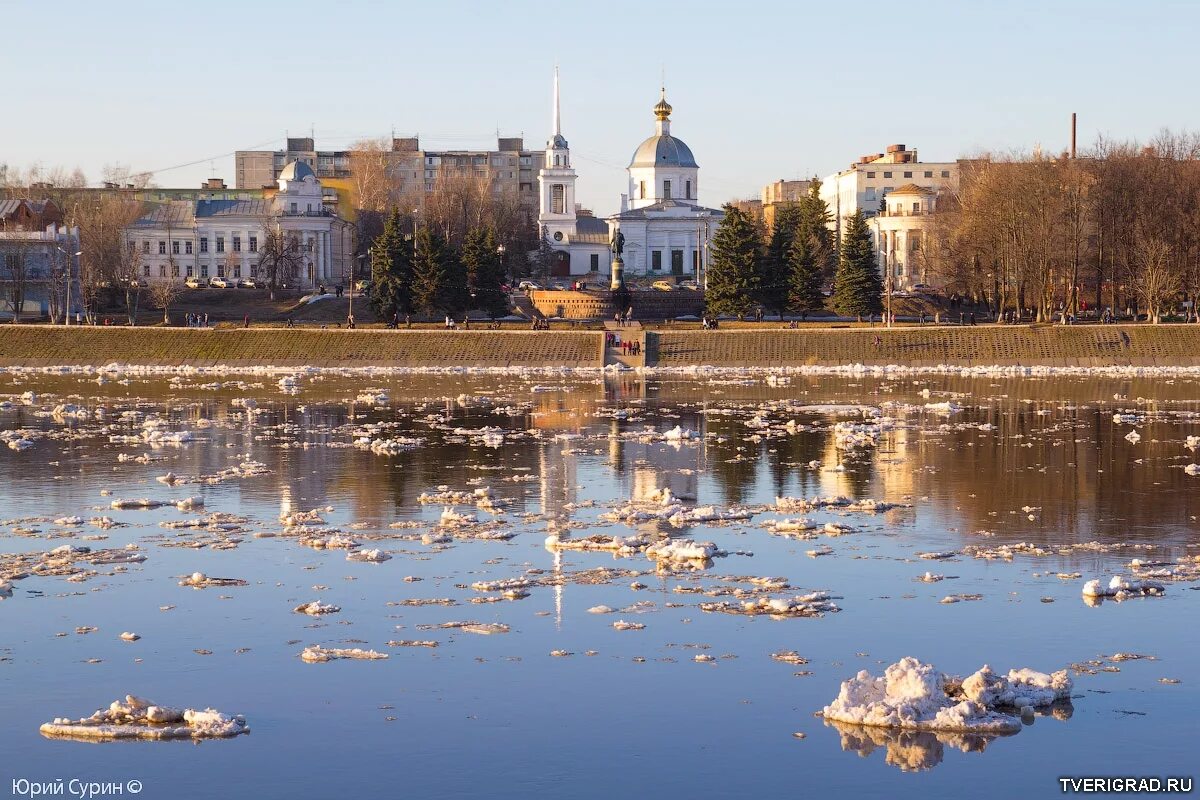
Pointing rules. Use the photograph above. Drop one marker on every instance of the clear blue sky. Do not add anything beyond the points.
(762, 90)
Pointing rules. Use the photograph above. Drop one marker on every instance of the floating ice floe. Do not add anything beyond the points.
(198, 580)
(916, 696)
(682, 550)
(316, 608)
(372, 556)
(869, 505)
(315, 654)
(810, 605)
(622, 625)
(1119, 588)
(135, 718)
(130, 636)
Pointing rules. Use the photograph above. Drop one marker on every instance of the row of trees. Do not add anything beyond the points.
(1117, 228)
(421, 272)
(456, 205)
(787, 268)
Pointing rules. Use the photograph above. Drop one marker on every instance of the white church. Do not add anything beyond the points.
(666, 232)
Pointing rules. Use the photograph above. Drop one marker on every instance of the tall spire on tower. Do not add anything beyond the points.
(557, 113)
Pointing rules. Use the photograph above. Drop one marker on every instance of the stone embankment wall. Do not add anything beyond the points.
(1064, 346)
(46, 345)
(1084, 346)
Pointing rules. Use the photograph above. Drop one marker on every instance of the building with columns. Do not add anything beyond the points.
(666, 231)
(210, 238)
(900, 232)
(864, 184)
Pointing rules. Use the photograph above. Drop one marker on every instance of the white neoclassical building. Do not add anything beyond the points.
(900, 231)
(213, 238)
(666, 231)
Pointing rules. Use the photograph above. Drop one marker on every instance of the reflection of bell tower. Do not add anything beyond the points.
(556, 182)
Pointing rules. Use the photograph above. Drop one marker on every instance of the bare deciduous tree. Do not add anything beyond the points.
(163, 294)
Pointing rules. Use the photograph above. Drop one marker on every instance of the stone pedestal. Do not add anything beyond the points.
(618, 273)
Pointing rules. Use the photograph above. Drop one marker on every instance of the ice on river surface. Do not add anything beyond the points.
(532, 559)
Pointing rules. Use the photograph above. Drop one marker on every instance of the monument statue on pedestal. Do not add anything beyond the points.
(617, 245)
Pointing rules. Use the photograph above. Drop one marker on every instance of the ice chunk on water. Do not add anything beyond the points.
(136, 718)
(915, 695)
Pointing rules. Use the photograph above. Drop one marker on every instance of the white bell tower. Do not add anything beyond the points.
(556, 181)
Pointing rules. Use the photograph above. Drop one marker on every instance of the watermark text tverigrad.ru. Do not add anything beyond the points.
(1126, 785)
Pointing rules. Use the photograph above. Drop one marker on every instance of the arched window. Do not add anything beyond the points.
(557, 199)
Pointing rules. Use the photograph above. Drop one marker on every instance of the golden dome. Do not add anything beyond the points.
(662, 111)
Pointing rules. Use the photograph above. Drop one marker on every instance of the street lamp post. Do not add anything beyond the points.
(70, 279)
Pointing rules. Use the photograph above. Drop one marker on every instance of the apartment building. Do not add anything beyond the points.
(508, 169)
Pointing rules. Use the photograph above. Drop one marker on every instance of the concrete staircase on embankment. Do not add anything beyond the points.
(626, 332)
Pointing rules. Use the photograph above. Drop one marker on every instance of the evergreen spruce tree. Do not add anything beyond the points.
(858, 287)
(391, 271)
(485, 273)
(773, 280)
(811, 260)
(733, 266)
(804, 276)
(439, 280)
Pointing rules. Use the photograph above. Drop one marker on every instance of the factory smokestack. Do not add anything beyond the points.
(1072, 135)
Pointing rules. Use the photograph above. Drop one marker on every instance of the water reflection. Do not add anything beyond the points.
(908, 751)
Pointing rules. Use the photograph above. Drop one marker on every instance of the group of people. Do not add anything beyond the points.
(624, 319)
(628, 347)
(539, 324)
(197, 320)
(709, 323)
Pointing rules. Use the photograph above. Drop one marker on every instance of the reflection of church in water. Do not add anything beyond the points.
(666, 232)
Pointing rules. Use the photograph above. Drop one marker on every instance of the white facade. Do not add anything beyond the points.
(867, 181)
(662, 167)
(900, 235)
(580, 241)
(221, 238)
(667, 233)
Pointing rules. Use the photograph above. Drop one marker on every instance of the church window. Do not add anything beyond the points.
(667, 190)
(642, 190)
(656, 259)
(595, 262)
(557, 199)
(689, 190)
(175, 246)
(203, 244)
(187, 248)
(162, 248)
(220, 244)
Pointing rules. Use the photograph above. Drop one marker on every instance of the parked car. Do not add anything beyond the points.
(528, 286)
(689, 284)
(662, 286)
(922, 288)
(250, 283)
(195, 283)
(218, 283)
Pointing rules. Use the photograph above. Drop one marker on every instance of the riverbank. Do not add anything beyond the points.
(919, 347)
